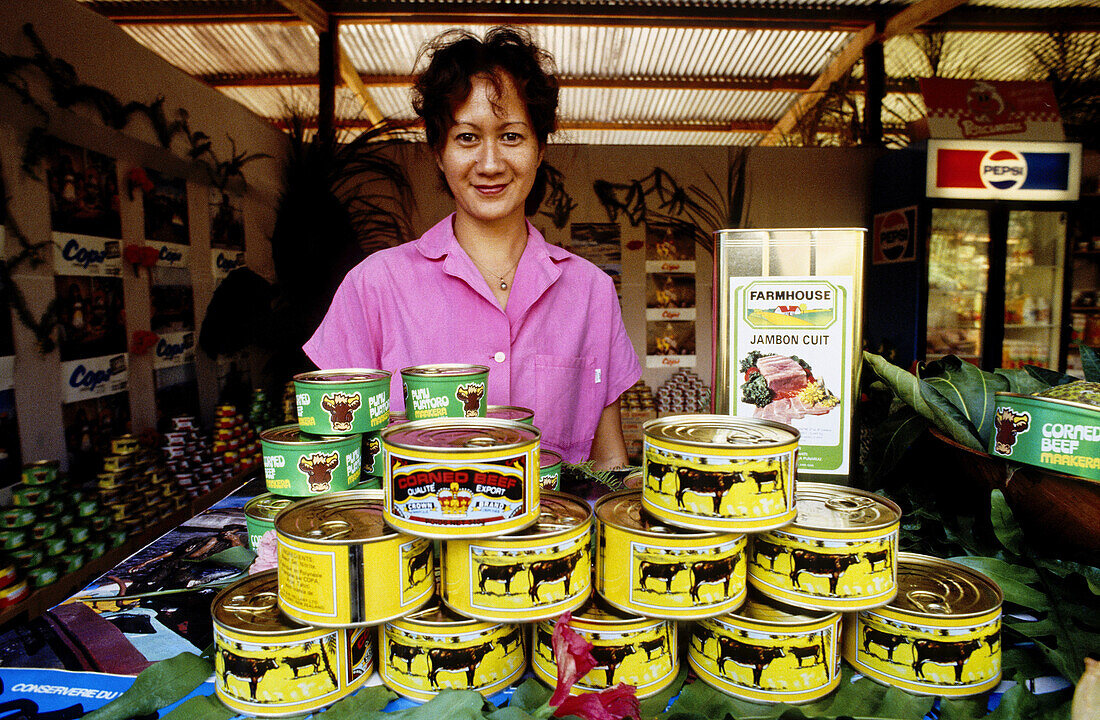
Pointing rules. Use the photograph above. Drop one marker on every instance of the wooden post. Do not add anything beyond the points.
(328, 48)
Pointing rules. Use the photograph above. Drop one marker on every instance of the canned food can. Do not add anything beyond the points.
(342, 402)
(43, 472)
(111, 479)
(445, 390)
(530, 574)
(769, 652)
(27, 557)
(647, 567)
(1055, 433)
(70, 562)
(42, 576)
(117, 537)
(95, 548)
(549, 470)
(8, 574)
(78, 535)
(511, 412)
(13, 539)
(461, 477)
(224, 427)
(43, 529)
(15, 518)
(225, 411)
(175, 438)
(719, 472)
(397, 418)
(259, 515)
(434, 649)
(268, 665)
(52, 510)
(86, 508)
(301, 465)
(100, 522)
(125, 445)
(183, 422)
(627, 648)
(15, 593)
(30, 495)
(340, 565)
(116, 463)
(839, 554)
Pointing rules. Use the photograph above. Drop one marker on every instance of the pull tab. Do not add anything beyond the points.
(331, 529)
(260, 604)
(483, 441)
(849, 506)
(929, 602)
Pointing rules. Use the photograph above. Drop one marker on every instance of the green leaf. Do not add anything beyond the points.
(905, 384)
(158, 686)
(238, 557)
(1090, 360)
(365, 700)
(1004, 524)
(895, 436)
(897, 703)
(997, 569)
(968, 389)
(654, 706)
(449, 704)
(510, 713)
(1034, 628)
(530, 695)
(699, 700)
(1021, 381)
(963, 708)
(1050, 378)
(201, 707)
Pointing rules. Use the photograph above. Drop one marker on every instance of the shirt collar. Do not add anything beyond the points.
(440, 240)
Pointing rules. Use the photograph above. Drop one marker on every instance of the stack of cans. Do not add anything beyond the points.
(639, 396)
(684, 392)
(134, 487)
(234, 439)
(191, 462)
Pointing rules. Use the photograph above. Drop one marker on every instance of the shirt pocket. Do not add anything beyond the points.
(567, 408)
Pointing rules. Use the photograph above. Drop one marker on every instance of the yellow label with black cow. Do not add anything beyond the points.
(434, 649)
(269, 665)
(940, 636)
(766, 654)
(719, 473)
(628, 649)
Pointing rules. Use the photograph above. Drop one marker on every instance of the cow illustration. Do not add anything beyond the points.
(312, 660)
(755, 656)
(470, 396)
(498, 573)
(341, 409)
(801, 653)
(543, 639)
(420, 561)
(879, 556)
(650, 646)
(513, 638)
(887, 641)
(609, 657)
(822, 565)
(249, 669)
(1009, 424)
(406, 653)
(371, 448)
(701, 635)
(992, 640)
(456, 660)
(712, 571)
(715, 484)
(659, 471)
(943, 653)
(664, 572)
(762, 477)
(765, 549)
(552, 571)
(318, 469)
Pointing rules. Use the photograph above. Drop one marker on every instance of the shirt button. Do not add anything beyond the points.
(499, 357)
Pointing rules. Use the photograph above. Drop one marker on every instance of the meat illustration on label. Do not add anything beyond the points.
(783, 387)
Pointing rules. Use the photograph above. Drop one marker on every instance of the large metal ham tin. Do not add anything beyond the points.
(769, 652)
(531, 574)
(302, 465)
(434, 649)
(647, 567)
(342, 402)
(268, 665)
(461, 477)
(839, 554)
(941, 635)
(720, 473)
(445, 390)
(339, 564)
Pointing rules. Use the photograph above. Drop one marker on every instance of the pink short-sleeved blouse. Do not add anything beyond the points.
(559, 348)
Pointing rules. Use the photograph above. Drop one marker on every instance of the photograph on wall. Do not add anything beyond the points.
(91, 316)
(671, 339)
(670, 291)
(226, 221)
(669, 247)
(165, 210)
(600, 244)
(173, 320)
(83, 187)
(89, 426)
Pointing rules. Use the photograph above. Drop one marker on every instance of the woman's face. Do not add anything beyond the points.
(490, 154)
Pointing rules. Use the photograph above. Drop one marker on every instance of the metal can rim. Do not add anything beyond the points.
(531, 532)
(929, 561)
(434, 370)
(291, 626)
(889, 504)
(461, 621)
(374, 496)
(271, 437)
(319, 378)
(677, 531)
(1051, 400)
(650, 429)
(533, 433)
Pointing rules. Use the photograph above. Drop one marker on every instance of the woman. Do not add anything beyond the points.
(483, 286)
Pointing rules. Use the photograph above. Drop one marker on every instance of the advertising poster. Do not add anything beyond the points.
(670, 295)
(91, 316)
(83, 187)
(600, 244)
(226, 221)
(894, 236)
(173, 320)
(89, 426)
(165, 209)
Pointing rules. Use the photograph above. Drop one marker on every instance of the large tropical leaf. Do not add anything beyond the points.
(1091, 362)
(966, 391)
(905, 384)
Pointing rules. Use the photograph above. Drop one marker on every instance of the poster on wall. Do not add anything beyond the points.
(894, 236)
(89, 426)
(670, 295)
(84, 216)
(173, 320)
(165, 209)
(91, 316)
(600, 244)
(226, 233)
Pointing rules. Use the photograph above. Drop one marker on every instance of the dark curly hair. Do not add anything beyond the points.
(457, 56)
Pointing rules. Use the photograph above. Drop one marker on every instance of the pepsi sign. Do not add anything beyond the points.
(992, 170)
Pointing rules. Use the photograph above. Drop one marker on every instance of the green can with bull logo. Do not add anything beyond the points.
(1051, 432)
(259, 515)
(445, 390)
(342, 402)
(301, 465)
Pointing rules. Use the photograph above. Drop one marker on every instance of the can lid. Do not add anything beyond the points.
(720, 430)
(762, 609)
(344, 375)
(252, 606)
(930, 586)
(548, 458)
(436, 614)
(623, 510)
(1050, 400)
(456, 434)
(558, 513)
(266, 506)
(352, 516)
(53, 464)
(291, 435)
(835, 507)
(444, 370)
(597, 612)
(509, 412)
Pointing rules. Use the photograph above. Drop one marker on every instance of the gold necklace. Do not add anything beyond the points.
(498, 276)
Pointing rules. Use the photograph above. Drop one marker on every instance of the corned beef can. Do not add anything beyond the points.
(445, 390)
(720, 473)
(650, 568)
(24, 496)
(766, 651)
(627, 648)
(461, 477)
(340, 565)
(549, 470)
(342, 402)
(531, 574)
(15, 593)
(511, 412)
(15, 517)
(302, 465)
(125, 445)
(43, 472)
(117, 463)
(373, 460)
(268, 665)
(434, 649)
(839, 554)
(259, 515)
(1054, 433)
(941, 635)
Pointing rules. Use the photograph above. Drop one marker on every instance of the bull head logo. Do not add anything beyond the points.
(1008, 424)
(371, 448)
(341, 409)
(470, 395)
(318, 469)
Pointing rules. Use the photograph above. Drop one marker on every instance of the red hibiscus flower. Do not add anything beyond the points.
(142, 341)
(137, 178)
(574, 658)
